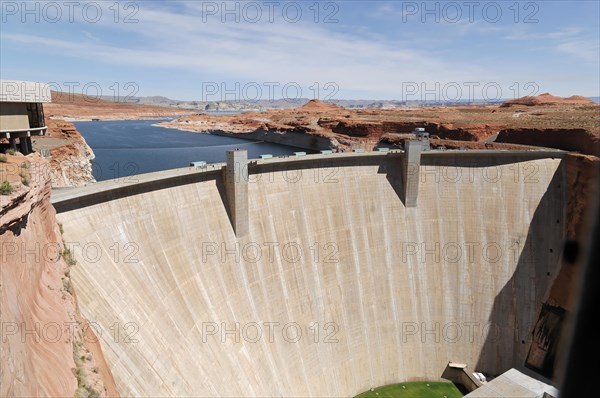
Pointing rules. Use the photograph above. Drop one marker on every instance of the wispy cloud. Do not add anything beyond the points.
(574, 41)
(371, 52)
(561, 34)
(263, 52)
(588, 50)
(90, 36)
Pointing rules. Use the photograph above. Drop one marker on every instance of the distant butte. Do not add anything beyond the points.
(548, 99)
(316, 105)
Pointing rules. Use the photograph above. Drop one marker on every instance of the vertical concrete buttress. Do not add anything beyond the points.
(412, 162)
(236, 187)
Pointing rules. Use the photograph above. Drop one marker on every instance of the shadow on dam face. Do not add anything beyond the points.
(538, 261)
(337, 288)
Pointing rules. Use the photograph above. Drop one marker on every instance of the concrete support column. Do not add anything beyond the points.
(412, 163)
(29, 145)
(24, 145)
(236, 188)
(13, 143)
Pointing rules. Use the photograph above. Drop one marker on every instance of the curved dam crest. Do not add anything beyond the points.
(380, 293)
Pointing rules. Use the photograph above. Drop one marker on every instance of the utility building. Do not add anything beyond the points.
(22, 112)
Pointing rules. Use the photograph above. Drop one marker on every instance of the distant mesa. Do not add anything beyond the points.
(548, 99)
(316, 105)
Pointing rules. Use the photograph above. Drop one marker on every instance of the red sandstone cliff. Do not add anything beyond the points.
(70, 161)
(576, 139)
(570, 124)
(71, 157)
(46, 347)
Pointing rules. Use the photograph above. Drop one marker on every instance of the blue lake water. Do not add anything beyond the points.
(129, 147)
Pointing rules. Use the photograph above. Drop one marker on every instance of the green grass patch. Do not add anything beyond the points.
(6, 188)
(11, 152)
(425, 389)
(68, 256)
(3, 159)
(25, 180)
(84, 389)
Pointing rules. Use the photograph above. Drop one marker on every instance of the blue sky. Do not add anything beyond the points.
(346, 50)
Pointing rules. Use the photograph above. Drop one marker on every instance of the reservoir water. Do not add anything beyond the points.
(129, 147)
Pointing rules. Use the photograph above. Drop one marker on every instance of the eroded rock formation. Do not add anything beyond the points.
(47, 348)
(572, 126)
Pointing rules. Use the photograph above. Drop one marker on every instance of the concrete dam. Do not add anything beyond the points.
(314, 276)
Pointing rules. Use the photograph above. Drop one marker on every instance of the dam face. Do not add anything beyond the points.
(337, 287)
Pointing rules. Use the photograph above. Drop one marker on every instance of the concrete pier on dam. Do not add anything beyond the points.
(315, 276)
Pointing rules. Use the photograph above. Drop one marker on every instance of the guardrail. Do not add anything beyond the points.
(65, 199)
(28, 132)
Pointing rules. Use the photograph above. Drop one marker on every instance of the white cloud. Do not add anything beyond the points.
(176, 38)
(561, 34)
(588, 50)
(573, 41)
(89, 35)
(263, 52)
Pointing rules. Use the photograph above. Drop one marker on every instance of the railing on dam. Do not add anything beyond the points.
(66, 199)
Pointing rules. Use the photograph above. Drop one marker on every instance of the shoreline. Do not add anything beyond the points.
(110, 119)
(289, 138)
